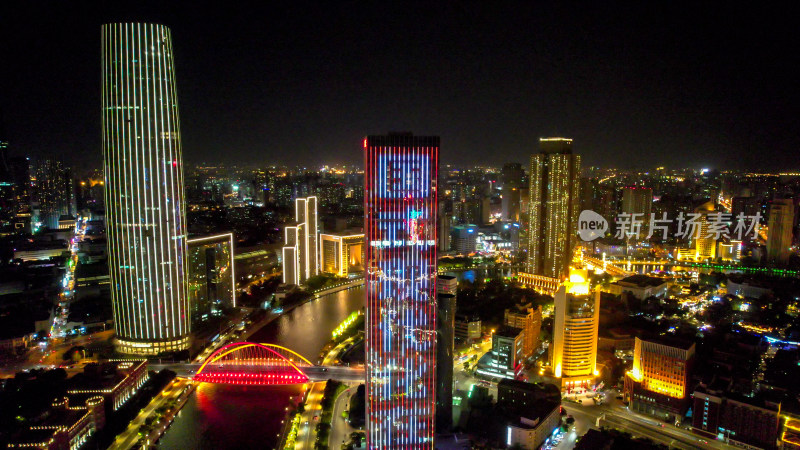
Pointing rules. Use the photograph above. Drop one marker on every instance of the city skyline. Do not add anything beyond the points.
(668, 98)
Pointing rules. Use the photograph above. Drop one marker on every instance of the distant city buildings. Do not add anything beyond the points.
(779, 233)
(146, 221)
(300, 251)
(573, 352)
(553, 207)
(400, 225)
(658, 383)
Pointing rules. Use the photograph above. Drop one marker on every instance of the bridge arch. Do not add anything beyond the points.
(253, 363)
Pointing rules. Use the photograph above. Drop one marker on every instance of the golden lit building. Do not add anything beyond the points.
(658, 382)
(529, 320)
(573, 353)
(341, 254)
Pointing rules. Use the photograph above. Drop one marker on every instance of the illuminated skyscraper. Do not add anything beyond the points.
(553, 207)
(145, 208)
(400, 228)
(639, 201)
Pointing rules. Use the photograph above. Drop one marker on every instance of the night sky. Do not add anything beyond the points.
(636, 85)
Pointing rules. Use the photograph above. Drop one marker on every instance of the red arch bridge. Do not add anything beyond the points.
(249, 363)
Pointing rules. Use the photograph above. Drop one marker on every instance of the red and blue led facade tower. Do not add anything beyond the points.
(400, 205)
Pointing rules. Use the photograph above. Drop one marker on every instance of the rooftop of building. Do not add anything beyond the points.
(537, 388)
(509, 332)
(682, 344)
(641, 281)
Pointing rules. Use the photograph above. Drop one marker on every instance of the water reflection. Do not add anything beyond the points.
(220, 417)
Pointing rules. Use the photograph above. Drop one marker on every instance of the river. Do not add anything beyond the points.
(220, 416)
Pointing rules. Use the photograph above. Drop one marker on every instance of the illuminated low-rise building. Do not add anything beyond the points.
(573, 354)
(657, 385)
(65, 427)
(341, 253)
(532, 411)
(505, 359)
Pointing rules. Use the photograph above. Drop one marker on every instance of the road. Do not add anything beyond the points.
(307, 433)
(128, 438)
(615, 415)
(340, 429)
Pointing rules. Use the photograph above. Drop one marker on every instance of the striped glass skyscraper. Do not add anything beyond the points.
(400, 231)
(145, 209)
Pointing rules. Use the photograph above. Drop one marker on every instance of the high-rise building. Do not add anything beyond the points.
(658, 383)
(553, 207)
(300, 250)
(530, 321)
(211, 275)
(779, 233)
(145, 209)
(638, 201)
(15, 212)
(746, 422)
(512, 176)
(341, 253)
(400, 192)
(445, 349)
(53, 193)
(573, 353)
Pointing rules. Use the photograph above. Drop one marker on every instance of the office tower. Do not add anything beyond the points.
(573, 353)
(553, 207)
(731, 251)
(705, 243)
(638, 201)
(530, 321)
(745, 422)
(211, 275)
(400, 226)
(145, 209)
(341, 253)
(53, 193)
(300, 251)
(658, 383)
(512, 176)
(779, 233)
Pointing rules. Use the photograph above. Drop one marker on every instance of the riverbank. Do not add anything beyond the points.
(223, 416)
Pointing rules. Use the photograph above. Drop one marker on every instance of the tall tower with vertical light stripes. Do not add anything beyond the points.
(144, 189)
(400, 206)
